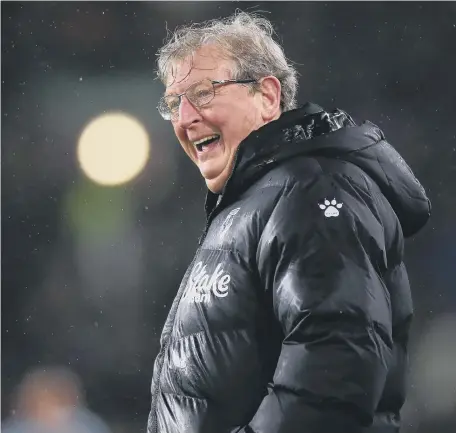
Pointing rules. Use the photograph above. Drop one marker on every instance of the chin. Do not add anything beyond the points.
(214, 185)
(215, 176)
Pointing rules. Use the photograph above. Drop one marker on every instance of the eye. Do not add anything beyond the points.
(201, 93)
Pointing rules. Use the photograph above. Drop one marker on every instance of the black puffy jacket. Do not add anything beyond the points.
(294, 315)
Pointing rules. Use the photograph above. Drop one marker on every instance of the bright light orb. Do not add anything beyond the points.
(113, 148)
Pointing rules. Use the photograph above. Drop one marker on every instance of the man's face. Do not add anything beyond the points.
(232, 114)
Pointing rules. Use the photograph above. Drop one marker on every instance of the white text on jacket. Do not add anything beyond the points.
(201, 284)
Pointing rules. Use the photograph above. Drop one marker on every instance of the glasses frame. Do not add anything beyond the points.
(170, 116)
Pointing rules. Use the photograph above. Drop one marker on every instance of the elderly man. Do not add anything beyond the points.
(294, 313)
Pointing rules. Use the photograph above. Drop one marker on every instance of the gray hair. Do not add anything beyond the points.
(248, 41)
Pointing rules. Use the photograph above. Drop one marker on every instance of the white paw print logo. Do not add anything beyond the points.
(331, 208)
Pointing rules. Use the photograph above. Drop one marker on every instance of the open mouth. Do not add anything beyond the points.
(203, 144)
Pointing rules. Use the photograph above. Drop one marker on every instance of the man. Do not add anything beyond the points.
(294, 313)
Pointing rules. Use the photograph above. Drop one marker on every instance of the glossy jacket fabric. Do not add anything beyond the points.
(294, 313)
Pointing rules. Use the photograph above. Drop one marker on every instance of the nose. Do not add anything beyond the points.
(188, 114)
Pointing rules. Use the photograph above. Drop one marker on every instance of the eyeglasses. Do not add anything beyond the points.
(199, 94)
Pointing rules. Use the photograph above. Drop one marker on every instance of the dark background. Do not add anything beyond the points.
(89, 272)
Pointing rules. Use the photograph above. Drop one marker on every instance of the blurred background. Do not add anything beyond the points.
(101, 210)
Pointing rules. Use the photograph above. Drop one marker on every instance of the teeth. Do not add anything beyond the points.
(210, 137)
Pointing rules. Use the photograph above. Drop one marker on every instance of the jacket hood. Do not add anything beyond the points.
(310, 130)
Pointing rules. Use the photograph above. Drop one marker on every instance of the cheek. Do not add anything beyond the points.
(235, 120)
(249, 121)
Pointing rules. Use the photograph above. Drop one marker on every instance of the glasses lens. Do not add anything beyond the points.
(198, 94)
(201, 93)
(169, 106)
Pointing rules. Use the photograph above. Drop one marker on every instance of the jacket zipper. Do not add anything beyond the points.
(176, 305)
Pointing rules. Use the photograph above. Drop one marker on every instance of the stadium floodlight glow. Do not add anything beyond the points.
(113, 148)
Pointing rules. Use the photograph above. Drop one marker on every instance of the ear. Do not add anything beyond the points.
(270, 90)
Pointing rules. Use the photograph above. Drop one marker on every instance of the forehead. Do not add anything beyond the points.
(207, 62)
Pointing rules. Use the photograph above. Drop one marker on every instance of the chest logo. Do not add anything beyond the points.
(331, 208)
(202, 286)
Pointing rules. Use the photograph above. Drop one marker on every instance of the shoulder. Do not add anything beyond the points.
(308, 193)
(316, 197)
